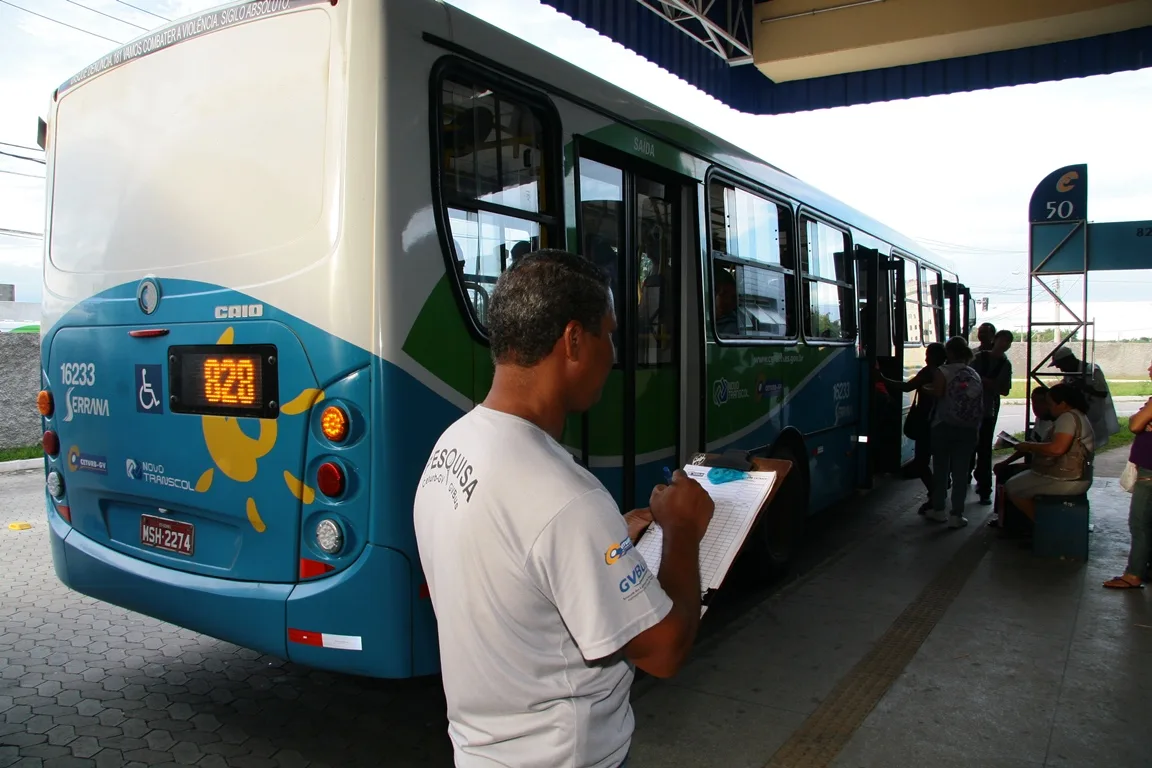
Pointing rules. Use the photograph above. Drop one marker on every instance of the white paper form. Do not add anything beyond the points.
(737, 503)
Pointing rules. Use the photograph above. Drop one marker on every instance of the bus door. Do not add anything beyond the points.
(968, 306)
(884, 356)
(952, 313)
(630, 217)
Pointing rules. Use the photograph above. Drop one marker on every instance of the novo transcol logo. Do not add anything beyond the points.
(724, 390)
(153, 473)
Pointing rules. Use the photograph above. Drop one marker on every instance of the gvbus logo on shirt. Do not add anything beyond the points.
(635, 582)
(617, 551)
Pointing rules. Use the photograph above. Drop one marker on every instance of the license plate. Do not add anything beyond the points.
(169, 535)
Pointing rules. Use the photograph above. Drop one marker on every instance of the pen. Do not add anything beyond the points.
(668, 475)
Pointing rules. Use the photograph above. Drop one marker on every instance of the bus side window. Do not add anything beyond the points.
(932, 305)
(829, 287)
(949, 303)
(495, 158)
(753, 263)
(912, 330)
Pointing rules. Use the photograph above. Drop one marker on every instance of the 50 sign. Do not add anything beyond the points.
(78, 374)
(1061, 210)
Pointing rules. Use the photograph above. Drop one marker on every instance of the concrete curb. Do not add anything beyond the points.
(1120, 399)
(20, 465)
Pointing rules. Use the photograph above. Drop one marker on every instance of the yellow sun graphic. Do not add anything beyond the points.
(236, 454)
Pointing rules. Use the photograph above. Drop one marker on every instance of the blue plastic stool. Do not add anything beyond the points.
(1061, 527)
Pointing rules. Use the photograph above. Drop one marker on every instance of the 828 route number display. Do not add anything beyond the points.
(225, 380)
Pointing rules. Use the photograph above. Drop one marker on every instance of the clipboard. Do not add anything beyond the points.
(719, 558)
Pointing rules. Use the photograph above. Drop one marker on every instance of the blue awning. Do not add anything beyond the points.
(744, 88)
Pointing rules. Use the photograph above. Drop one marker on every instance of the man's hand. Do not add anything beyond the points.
(637, 521)
(683, 509)
(684, 506)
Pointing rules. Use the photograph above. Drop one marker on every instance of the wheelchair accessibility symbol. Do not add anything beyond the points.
(149, 389)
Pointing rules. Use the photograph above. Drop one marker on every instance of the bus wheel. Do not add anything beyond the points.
(782, 527)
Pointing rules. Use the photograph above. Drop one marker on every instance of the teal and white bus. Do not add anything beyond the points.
(272, 230)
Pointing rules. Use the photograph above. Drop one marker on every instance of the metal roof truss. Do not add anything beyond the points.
(721, 26)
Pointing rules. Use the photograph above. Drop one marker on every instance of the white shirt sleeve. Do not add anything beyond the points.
(586, 564)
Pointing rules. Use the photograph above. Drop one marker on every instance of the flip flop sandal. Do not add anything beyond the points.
(1121, 583)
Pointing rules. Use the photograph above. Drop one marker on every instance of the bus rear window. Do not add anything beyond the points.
(497, 156)
(211, 149)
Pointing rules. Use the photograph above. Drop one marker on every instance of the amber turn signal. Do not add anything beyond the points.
(334, 423)
(44, 403)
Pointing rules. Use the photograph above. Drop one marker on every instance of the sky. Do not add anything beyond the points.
(954, 172)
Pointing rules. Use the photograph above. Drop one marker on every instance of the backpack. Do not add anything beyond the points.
(963, 401)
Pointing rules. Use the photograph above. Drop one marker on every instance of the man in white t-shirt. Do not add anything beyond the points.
(543, 604)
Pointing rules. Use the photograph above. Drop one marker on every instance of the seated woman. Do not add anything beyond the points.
(1061, 465)
(1041, 432)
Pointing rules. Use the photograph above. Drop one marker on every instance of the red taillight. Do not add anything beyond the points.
(51, 443)
(306, 638)
(65, 512)
(330, 479)
(44, 403)
(148, 333)
(312, 568)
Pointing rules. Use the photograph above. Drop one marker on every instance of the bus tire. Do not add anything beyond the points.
(782, 527)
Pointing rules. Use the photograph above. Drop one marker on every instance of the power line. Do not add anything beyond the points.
(21, 233)
(106, 15)
(61, 23)
(976, 249)
(17, 173)
(20, 146)
(21, 157)
(143, 10)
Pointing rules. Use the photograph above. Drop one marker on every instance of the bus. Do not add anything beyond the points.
(272, 232)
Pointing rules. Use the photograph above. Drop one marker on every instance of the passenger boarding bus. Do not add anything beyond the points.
(273, 230)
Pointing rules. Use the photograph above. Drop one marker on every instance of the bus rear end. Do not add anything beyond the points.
(206, 418)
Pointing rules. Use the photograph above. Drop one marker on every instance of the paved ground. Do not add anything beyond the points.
(1111, 463)
(1025, 663)
(924, 647)
(84, 684)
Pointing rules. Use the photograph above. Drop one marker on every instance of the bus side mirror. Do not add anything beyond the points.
(41, 133)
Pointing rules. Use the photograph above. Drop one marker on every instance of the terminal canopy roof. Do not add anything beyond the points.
(780, 56)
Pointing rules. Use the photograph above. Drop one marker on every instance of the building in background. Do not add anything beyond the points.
(7, 292)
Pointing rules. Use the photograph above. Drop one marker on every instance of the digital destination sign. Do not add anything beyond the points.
(224, 380)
